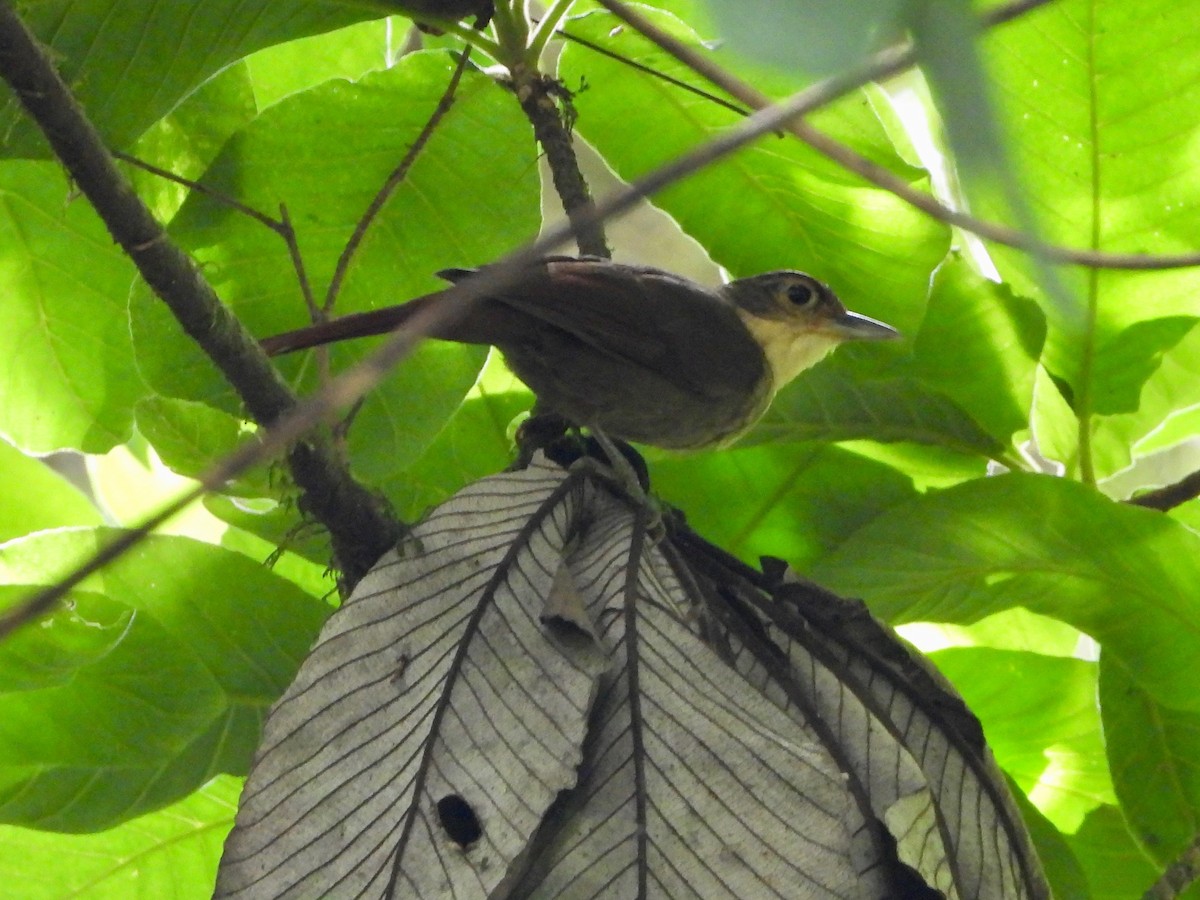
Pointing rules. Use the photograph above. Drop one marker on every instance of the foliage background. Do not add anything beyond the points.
(1067, 618)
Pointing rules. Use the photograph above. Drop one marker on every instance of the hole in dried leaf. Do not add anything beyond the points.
(566, 630)
(459, 820)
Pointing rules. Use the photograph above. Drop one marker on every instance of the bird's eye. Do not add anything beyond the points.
(801, 294)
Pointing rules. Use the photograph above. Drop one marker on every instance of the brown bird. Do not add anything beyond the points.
(639, 353)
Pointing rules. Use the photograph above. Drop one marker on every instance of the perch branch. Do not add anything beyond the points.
(538, 95)
(880, 67)
(359, 523)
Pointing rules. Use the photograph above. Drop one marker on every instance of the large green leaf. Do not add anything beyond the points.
(817, 38)
(979, 345)
(1154, 753)
(1166, 413)
(349, 53)
(1123, 574)
(129, 62)
(147, 685)
(1116, 867)
(169, 853)
(1042, 723)
(313, 153)
(794, 501)
(828, 404)
(185, 140)
(190, 437)
(474, 443)
(68, 372)
(1101, 100)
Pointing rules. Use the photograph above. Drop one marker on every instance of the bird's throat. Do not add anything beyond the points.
(788, 351)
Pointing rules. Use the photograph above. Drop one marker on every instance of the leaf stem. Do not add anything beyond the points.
(470, 36)
(545, 29)
(512, 32)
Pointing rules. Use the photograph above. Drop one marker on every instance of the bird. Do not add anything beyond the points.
(636, 352)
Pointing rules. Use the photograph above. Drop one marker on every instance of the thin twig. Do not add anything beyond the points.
(288, 232)
(878, 175)
(281, 226)
(224, 199)
(354, 383)
(394, 180)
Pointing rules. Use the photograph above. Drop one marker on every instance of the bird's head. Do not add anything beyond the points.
(797, 320)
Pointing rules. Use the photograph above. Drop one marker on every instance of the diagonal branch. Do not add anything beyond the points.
(359, 523)
(1170, 496)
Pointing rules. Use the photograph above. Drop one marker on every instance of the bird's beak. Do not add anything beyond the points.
(850, 326)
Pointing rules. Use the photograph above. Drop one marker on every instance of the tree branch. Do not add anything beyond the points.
(1170, 496)
(878, 175)
(1179, 876)
(360, 524)
(538, 95)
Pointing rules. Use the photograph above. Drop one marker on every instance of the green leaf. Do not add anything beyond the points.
(315, 578)
(1165, 415)
(474, 443)
(1154, 753)
(169, 853)
(185, 141)
(1122, 574)
(349, 53)
(825, 404)
(1116, 868)
(278, 524)
(1101, 102)
(777, 204)
(1042, 724)
(979, 345)
(793, 501)
(145, 687)
(191, 437)
(37, 497)
(476, 170)
(817, 38)
(69, 375)
(130, 63)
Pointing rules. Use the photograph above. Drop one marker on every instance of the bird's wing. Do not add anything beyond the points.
(632, 315)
